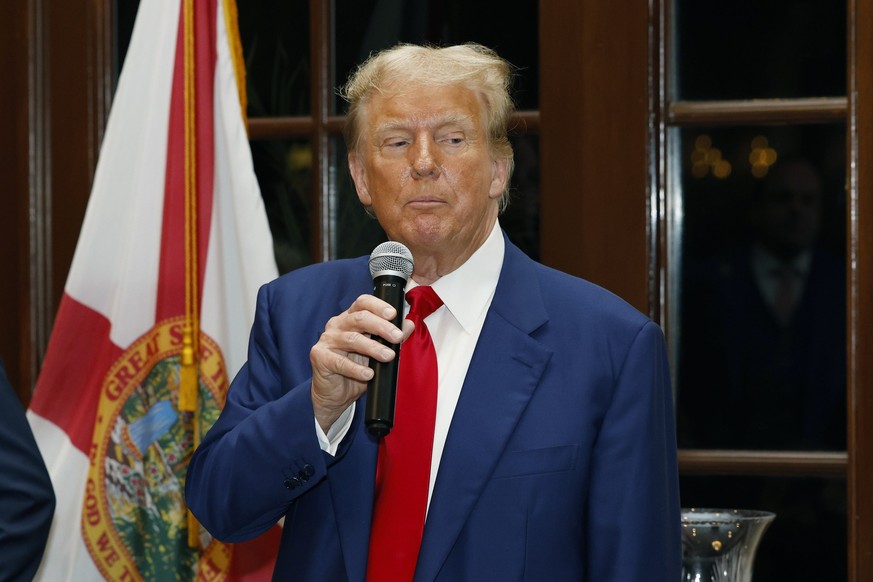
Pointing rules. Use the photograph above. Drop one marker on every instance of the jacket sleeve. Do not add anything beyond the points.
(263, 451)
(634, 519)
(27, 500)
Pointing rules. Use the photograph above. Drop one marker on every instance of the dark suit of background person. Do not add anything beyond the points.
(27, 500)
(560, 461)
(750, 377)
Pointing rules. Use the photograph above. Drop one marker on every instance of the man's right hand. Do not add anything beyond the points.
(340, 359)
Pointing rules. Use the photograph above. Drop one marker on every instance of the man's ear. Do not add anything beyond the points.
(499, 177)
(356, 169)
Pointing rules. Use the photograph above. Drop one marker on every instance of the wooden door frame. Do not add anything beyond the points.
(860, 289)
(56, 60)
(596, 128)
(17, 99)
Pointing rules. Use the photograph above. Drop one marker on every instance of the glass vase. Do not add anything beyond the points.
(718, 545)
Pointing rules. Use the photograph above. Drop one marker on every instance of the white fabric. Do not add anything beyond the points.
(65, 557)
(765, 268)
(115, 265)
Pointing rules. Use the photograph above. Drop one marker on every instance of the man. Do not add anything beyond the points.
(27, 500)
(553, 454)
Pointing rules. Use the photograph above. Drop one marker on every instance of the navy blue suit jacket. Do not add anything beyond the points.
(560, 463)
(27, 500)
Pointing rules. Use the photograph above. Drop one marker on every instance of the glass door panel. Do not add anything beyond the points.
(761, 361)
(746, 49)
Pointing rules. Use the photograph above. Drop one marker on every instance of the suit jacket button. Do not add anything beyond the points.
(292, 483)
(307, 472)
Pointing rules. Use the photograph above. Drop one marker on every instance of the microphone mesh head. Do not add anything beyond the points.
(391, 257)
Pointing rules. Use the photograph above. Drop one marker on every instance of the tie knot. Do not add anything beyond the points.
(423, 301)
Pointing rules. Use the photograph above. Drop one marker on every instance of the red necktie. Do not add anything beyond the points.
(403, 472)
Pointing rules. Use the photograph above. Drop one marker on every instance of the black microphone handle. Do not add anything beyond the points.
(382, 389)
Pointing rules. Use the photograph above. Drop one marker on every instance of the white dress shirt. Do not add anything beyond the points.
(466, 293)
(767, 269)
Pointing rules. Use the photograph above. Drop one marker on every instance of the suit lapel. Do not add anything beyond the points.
(505, 370)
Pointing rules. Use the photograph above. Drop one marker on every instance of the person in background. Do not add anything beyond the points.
(27, 500)
(763, 357)
(550, 451)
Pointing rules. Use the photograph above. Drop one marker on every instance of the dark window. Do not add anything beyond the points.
(745, 49)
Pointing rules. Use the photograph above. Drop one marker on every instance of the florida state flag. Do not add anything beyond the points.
(156, 311)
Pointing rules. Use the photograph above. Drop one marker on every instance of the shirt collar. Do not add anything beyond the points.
(467, 291)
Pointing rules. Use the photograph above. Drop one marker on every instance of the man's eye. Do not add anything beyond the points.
(396, 143)
(453, 140)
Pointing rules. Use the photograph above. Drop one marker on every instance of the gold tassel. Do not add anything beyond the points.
(193, 531)
(189, 377)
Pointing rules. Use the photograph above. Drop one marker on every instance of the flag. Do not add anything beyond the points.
(156, 310)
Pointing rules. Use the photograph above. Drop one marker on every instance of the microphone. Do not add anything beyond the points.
(390, 266)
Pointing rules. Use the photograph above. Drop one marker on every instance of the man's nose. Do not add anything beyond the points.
(423, 163)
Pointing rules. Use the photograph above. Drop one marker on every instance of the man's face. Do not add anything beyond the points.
(791, 209)
(424, 167)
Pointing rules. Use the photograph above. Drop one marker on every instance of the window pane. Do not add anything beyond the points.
(370, 25)
(521, 219)
(124, 16)
(284, 171)
(747, 49)
(761, 348)
(806, 541)
(275, 43)
(357, 234)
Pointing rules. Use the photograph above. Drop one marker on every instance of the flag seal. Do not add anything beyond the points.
(134, 516)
